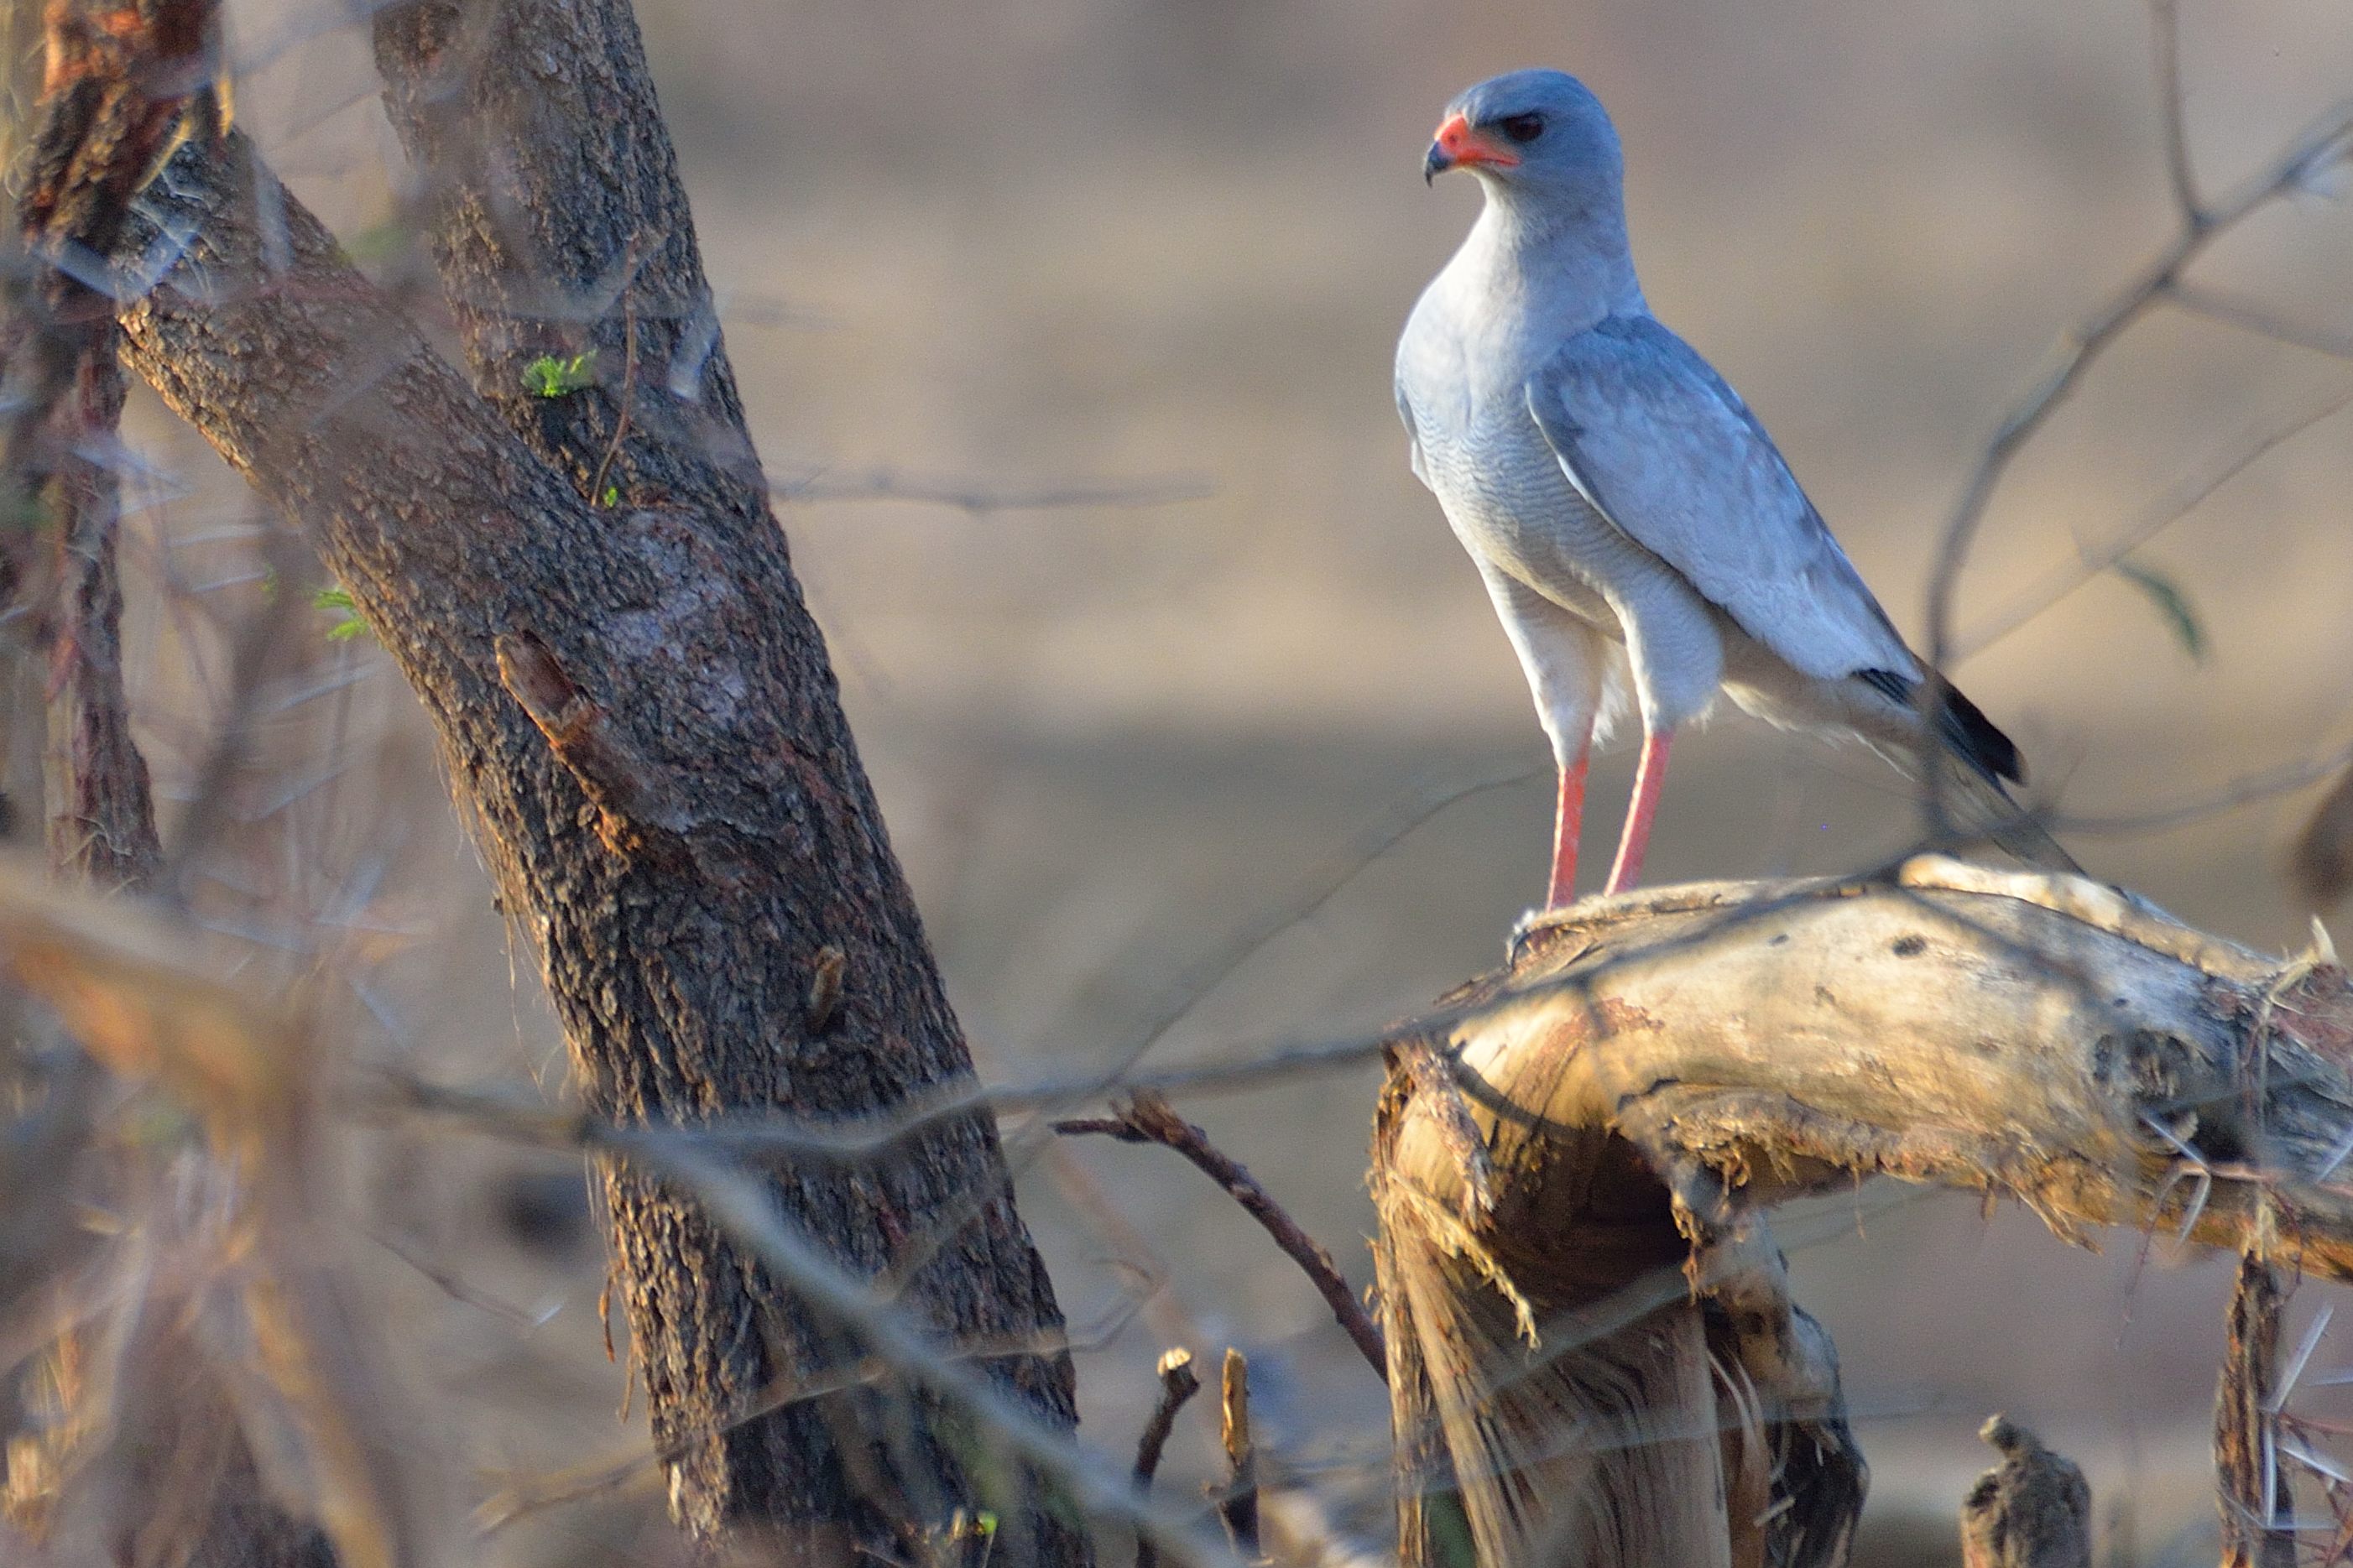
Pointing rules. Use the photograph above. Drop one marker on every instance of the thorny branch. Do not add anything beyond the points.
(2255, 1499)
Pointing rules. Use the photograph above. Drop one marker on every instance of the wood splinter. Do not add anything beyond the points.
(1238, 1506)
(579, 732)
(824, 999)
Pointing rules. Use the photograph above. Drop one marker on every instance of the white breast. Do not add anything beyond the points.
(1462, 383)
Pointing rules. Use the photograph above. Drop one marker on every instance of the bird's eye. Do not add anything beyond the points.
(1522, 128)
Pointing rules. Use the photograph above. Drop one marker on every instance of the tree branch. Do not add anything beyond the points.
(1178, 1384)
(729, 789)
(1660, 1068)
(681, 920)
(2321, 141)
(2256, 1500)
(1147, 1118)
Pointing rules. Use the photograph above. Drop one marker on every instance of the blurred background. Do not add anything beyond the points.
(1066, 326)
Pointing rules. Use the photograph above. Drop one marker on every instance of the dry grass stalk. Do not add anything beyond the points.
(127, 988)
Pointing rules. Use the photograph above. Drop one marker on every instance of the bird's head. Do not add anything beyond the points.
(1530, 132)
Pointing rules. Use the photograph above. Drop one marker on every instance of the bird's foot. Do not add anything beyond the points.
(1522, 930)
(1525, 930)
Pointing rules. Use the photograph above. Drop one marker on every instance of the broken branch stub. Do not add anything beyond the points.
(1600, 1361)
(2031, 1510)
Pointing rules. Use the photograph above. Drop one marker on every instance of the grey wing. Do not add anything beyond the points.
(1652, 436)
(1412, 432)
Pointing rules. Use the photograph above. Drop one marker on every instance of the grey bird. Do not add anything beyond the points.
(1642, 538)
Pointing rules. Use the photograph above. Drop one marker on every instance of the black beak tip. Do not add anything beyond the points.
(1435, 164)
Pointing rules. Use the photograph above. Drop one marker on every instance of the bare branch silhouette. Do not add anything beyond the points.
(2184, 497)
(2322, 142)
(1177, 1385)
(1147, 1118)
(983, 500)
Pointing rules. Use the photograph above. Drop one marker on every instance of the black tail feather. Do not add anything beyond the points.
(1966, 730)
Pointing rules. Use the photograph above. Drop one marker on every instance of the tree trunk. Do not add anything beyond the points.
(638, 711)
(1581, 1293)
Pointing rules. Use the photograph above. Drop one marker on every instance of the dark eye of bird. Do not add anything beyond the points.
(1523, 127)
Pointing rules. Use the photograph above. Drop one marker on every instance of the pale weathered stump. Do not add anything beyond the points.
(1593, 1357)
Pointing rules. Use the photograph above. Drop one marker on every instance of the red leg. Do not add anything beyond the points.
(1567, 823)
(1649, 775)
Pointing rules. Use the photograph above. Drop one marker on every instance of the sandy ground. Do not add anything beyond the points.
(1139, 243)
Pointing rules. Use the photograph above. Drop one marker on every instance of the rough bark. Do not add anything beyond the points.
(102, 811)
(1655, 1070)
(2255, 1499)
(638, 711)
(559, 226)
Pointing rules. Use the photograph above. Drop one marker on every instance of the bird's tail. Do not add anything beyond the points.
(1978, 808)
(1974, 763)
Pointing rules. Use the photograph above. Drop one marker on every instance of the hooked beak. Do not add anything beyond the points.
(1457, 146)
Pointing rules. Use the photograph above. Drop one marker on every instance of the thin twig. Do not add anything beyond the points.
(887, 485)
(2179, 501)
(2172, 112)
(2261, 320)
(1316, 894)
(2247, 790)
(1178, 1384)
(628, 397)
(1147, 1118)
(755, 1134)
(456, 1288)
